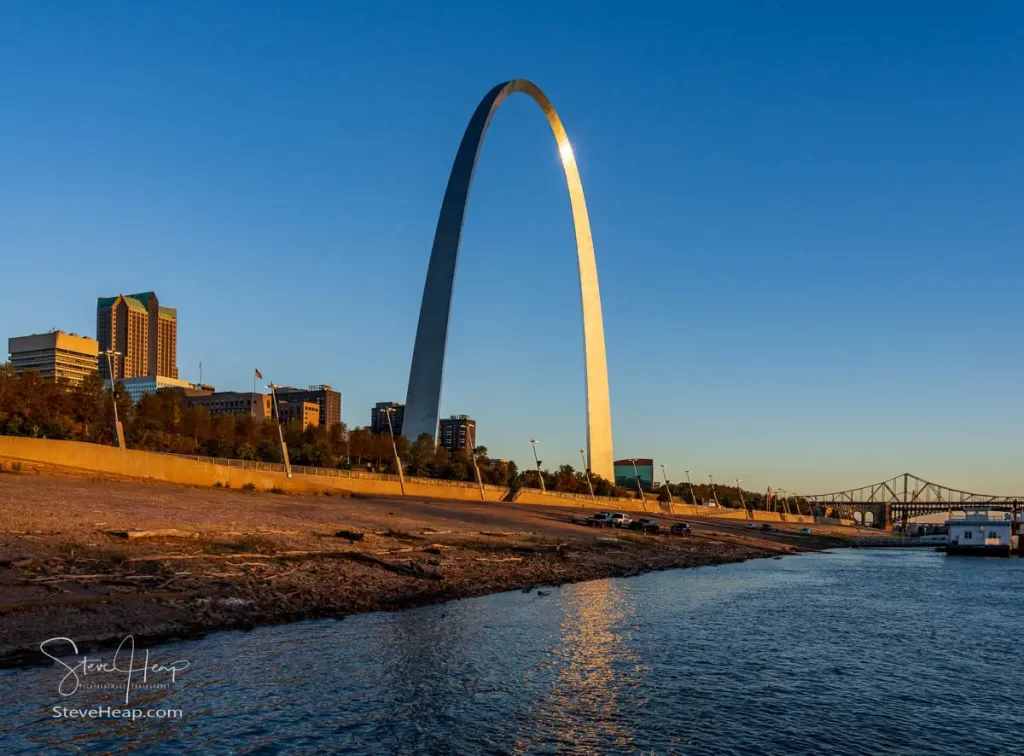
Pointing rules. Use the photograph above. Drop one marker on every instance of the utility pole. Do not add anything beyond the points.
(118, 428)
(690, 484)
(280, 431)
(398, 463)
(667, 490)
(640, 488)
(583, 456)
(714, 494)
(540, 475)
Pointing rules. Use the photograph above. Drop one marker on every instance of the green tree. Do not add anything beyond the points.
(421, 455)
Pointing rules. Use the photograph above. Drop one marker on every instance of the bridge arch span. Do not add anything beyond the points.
(423, 398)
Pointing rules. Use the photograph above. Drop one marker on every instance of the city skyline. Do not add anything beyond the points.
(808, 263)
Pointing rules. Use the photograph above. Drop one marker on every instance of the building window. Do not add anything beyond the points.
(968, 535)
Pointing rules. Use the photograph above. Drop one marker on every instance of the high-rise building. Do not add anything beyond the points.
(457, 432)
(379, 419)
(324, 396)
(145, 334)
(55, 355)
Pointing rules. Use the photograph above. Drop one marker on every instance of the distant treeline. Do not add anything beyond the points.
(166, 422)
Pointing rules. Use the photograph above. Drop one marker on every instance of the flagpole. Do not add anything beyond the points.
(252, 410)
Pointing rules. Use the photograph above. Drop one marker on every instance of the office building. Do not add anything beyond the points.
(457, 432)
(303, 414)
(325, 397)
(233, 403)
(145, 334)
(625, 475)
(379, 419)
(55, 355)
(149, 384)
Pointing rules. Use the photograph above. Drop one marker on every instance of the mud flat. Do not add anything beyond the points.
(95, 558)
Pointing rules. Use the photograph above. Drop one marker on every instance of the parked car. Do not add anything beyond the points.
(682, 529)
(751, 526)
(645, 525)
(620, 520)
(600, 520)
(804, 531)
(766, 528)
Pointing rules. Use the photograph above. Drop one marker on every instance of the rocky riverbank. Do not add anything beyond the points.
(94, 559)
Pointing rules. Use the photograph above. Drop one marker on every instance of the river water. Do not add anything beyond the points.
(852, 652)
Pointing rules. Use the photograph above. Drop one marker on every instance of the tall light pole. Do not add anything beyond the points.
(690, 484)
(540, 475)
(586, 470)
(667, 489)
(280, 431)
(714, 494)
(476, 468)
(639, 488)
(740, 491)
(398, 463)
(118, 428)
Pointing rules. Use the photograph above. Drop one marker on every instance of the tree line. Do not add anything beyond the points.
(166, 422)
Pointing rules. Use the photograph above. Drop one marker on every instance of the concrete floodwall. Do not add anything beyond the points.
(584, 501)
(236, 473)
(560, 499)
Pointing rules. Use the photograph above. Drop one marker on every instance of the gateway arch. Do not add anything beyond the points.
(423, 399)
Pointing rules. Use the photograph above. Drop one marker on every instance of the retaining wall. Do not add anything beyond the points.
(206, 472)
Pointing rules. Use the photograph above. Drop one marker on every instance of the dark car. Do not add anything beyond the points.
(681, 528)
(600, 520)
(645, 525)
(766, 528)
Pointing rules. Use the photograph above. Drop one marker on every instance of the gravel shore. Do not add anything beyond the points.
(95, 559)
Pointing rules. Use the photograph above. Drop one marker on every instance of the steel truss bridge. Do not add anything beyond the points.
(896, 501)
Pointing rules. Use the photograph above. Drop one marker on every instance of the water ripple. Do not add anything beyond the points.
(848, 653)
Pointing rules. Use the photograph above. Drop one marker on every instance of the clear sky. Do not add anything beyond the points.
(808, 216)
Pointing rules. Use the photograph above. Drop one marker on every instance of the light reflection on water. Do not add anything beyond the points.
(845, 653)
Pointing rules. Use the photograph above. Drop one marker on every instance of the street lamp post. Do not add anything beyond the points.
(476, 468)
(280, 431)
(690, 484)
(540, 475)
(742, 503)
(586, 470)
(714, 494)
(639, 488)
(398, 463)
(667, 489)
(118, 428)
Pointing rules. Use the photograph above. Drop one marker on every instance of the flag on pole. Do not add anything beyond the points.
(258, 374)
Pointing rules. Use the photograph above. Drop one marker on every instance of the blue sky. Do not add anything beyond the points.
(807, 216)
